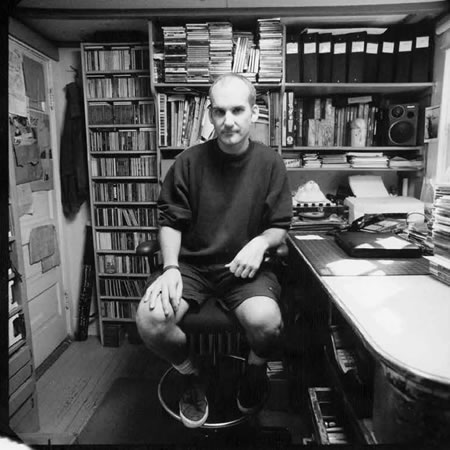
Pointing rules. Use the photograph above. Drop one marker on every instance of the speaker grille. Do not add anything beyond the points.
(401, 132)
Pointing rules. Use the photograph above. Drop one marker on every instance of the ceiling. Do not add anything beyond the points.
(67, 22)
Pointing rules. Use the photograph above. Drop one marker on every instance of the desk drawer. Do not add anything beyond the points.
(19, 378)
(328, 419)
(21, 395)
(19, 359)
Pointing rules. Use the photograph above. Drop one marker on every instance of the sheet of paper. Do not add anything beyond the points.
(25, 199)
(367, 186)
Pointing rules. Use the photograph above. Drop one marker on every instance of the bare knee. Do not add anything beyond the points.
(152, 324)
(261, 320)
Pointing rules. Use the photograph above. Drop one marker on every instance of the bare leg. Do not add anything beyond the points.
(162, 334)
(261, 319)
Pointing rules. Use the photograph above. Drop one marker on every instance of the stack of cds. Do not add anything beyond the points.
(197, 37)
(175, 70)
(440, 263)
(271, 50)
(220, 48)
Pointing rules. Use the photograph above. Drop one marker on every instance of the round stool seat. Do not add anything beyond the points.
(221, 392)
(211, 317)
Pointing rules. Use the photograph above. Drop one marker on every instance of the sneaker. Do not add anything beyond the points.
(253, 389)
(193, 403)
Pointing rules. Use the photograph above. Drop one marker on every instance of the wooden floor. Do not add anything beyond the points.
(72, 388)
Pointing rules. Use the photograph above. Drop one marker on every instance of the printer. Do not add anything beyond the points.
(372, 197)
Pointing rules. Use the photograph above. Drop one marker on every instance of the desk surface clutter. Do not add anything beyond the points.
(328, 259)
(404, 318)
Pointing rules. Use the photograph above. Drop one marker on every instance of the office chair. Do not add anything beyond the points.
(215, 329)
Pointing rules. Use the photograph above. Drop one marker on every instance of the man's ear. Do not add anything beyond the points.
(255, 113)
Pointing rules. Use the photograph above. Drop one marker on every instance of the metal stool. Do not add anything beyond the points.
(211, 319)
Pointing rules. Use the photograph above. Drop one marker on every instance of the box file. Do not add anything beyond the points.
(371, 58)
(325, 58)
(356, 43)
(339, 59)
(421, 58)
(309, 57)
(403, 56)
(292, 59)
(386, 58)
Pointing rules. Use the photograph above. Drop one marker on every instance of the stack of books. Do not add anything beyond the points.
(270, 33)
(311, 160)
(367, 160)
(334, 161)
(440, 262)
(197, 39)
(220, 48)
(175, 54)
(398, 162)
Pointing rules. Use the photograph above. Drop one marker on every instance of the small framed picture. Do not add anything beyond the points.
(431, 123)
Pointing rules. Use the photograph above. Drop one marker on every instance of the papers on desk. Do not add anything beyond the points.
(367, 186)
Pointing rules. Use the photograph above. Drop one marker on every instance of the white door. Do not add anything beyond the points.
(37, 193)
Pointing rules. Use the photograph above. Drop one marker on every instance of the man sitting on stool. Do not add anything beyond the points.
(223, 203)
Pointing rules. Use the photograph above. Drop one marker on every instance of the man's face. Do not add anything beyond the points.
(232, 115)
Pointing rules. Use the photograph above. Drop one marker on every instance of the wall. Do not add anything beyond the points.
(73, 231)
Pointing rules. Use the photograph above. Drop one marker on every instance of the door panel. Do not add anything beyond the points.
(47, 328)
(44, 276)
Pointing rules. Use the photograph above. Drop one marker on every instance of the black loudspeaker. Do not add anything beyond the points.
(401, 126)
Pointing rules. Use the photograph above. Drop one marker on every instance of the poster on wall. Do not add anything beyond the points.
(39, 123)
(26, 151)
(16, 89)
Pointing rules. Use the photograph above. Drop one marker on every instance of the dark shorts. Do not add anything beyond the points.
(201, 282)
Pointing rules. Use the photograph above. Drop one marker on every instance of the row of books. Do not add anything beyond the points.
(203, 51)
(118, 87)
(122, 140)
(116, 287)
(440, 262)
(143, 166)
(123, 264)
(355, 160)
(398, 54)
(118, 310)
(131, 217)
(101, 58)
(326, 121)
(125, 192)
(141, 112)
(184, 120)
(120, 240)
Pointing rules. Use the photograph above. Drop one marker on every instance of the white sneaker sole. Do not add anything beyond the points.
(189, 423)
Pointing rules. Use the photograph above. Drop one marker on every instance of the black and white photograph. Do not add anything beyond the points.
(226, 224)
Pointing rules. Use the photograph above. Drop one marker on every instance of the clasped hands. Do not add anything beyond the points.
(168, 287)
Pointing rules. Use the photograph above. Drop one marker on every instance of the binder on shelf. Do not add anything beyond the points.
(292, 58)
(421, 57)
(403, 55)
(386, 58)
(290, 137)
(356, 46)
(309, 57)
(339, 58)
(371, 58)
(325, 60)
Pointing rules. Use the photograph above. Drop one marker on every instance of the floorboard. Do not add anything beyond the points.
(70, 390)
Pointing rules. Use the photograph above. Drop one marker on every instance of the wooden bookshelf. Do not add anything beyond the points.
(124, 170)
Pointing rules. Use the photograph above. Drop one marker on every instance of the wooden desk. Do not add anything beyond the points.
(404, 323)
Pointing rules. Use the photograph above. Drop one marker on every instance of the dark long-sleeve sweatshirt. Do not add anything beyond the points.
(220, 201)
